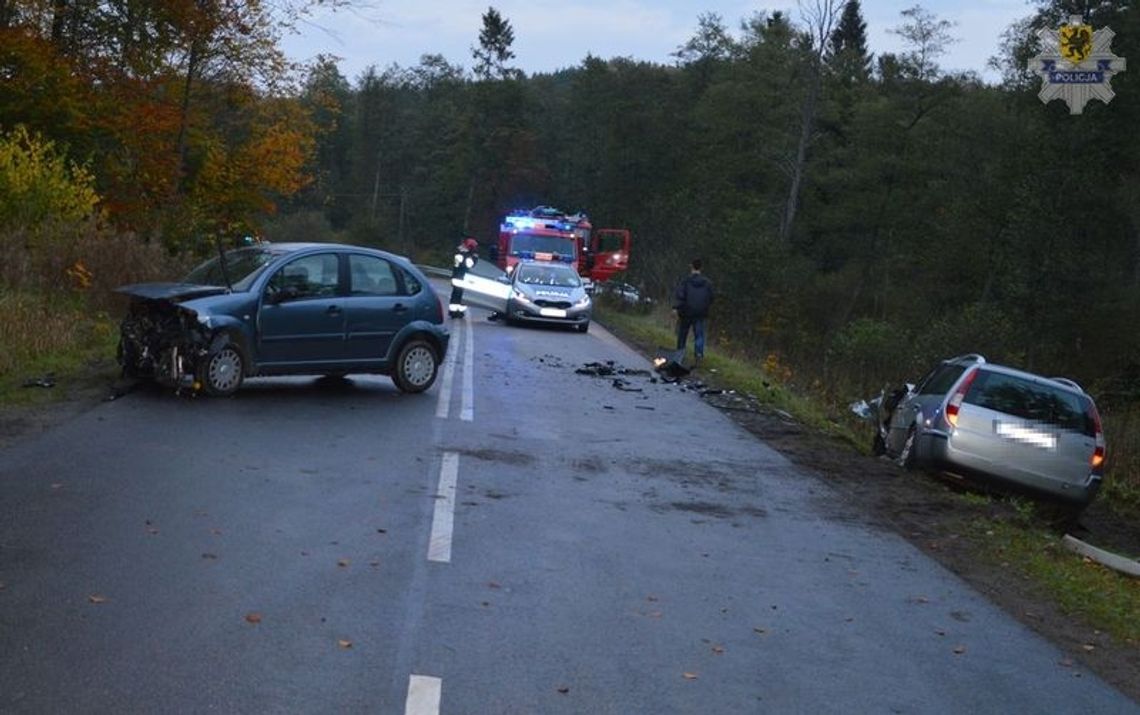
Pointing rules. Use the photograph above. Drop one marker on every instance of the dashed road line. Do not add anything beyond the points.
(443, 520)
(424, 693)
(467, 414)
(443, 401)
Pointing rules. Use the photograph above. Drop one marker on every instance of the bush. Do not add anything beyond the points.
(39, 185)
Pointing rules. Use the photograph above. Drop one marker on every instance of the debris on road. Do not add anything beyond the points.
(47, 380)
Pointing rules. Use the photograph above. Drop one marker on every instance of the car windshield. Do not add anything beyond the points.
(531, 243)
(552, 275)
(243, 265)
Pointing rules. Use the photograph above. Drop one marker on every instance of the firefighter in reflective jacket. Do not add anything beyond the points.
(466, 256)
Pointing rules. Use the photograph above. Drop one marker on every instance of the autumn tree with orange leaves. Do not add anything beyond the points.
(184, 110)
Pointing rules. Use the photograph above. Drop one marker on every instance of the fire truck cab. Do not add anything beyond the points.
(547, 234)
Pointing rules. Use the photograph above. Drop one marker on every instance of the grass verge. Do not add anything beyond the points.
(1107, 600)
(53, 337)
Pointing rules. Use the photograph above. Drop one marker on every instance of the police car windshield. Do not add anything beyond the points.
(531, 243)
(553, 275)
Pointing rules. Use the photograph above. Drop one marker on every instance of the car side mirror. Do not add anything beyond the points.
(504, 279)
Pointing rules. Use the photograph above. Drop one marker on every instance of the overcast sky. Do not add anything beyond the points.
(554, 34)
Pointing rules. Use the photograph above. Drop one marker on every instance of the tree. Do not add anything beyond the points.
(928, 38)
(494, 50)
(847, 50)
(819, 16)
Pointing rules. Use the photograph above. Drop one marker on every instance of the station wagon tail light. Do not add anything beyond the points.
(1097, 459)
(955, 404)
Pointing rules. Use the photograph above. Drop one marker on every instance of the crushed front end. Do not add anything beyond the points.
(162, 340)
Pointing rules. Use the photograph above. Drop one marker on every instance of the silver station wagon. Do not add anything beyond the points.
(971, 418)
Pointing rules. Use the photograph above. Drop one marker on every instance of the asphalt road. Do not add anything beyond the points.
(520, 539)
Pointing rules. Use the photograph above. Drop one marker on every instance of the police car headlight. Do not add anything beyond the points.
(519, 295)
(583, 302)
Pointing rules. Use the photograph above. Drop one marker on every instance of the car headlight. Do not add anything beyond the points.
(583, 302)
(519, 295)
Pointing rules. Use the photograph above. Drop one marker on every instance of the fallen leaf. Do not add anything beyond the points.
(920, 599)
(760, 631)
(1065, 663)
(253, 617)
(959, 650)
(96, 598)
(493, 584)
(373, 563)
(152, 532)
(940, 632)
(209, 556)
(57, 485)
(344, 643)
(689, 676)
(381, 531)
(563, 689)
(718, 649)
(1088, 647)
(486, 604)
(343, 563)
(650, 598)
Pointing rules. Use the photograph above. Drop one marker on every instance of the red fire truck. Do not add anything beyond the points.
(547, 234)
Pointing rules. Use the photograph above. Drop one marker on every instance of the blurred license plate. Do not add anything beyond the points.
(552, 312)
(1026, 434)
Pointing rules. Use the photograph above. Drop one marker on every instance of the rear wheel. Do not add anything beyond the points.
(222, 371)
(416, 367)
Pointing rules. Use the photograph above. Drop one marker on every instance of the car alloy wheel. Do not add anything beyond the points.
(224, 371)
(416, 367)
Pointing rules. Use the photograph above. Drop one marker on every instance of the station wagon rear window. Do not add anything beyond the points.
(1031, 401)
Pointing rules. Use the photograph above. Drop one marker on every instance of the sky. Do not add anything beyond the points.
(556, 34)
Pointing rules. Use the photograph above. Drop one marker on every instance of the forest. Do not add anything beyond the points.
(861, 216)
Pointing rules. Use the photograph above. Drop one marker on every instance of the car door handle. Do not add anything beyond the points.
(333, 310)
(399, 308)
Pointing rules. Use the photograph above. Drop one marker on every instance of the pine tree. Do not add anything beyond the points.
(847, 55)
(494, 50)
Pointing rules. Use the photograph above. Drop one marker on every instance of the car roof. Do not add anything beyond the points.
(283, 249)
(548, 264)
(977, 359)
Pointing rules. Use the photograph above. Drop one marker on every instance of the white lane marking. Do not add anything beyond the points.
(468, 412)
(443, 521)
(443, 401)
(424, 694)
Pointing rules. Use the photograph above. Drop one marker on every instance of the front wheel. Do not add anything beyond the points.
(416, 367)
(222, 371)
(583, 328)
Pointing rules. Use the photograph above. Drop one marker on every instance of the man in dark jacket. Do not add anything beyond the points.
(466, 256)
(691, 303)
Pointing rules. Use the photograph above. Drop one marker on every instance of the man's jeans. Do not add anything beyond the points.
(698, 326)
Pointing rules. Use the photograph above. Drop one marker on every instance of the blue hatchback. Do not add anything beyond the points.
(282, 309)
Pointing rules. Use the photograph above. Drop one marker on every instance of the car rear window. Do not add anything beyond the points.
(941, 380)
(1031, 401)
